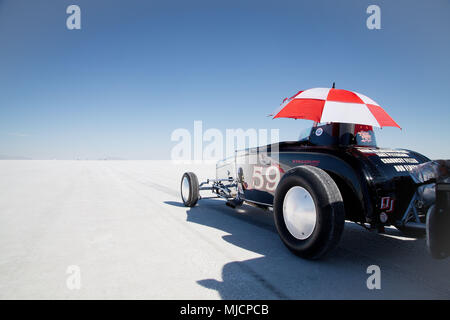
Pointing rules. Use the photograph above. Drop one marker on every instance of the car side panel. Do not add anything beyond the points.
(259, 173)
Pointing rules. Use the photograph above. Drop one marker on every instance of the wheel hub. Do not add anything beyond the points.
(299, 212)
(185, 190)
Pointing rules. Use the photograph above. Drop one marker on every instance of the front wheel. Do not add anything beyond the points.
(309, 212)
(189, 189)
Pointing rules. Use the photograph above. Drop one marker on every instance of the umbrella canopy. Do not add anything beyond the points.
(334, 105)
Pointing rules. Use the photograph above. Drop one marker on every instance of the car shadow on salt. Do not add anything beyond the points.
(175, 203)
(407, 270)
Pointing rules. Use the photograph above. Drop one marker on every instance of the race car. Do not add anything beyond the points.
(335, 172)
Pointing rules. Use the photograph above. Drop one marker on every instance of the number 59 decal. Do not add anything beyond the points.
(266, 177)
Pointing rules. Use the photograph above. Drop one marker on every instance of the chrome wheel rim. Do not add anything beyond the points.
(299, 212)
(185, 189)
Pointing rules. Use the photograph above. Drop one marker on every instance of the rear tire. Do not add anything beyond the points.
(437, 242)
(309, 212)
(189, 189)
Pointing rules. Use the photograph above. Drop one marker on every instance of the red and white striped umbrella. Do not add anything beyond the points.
(334, 105)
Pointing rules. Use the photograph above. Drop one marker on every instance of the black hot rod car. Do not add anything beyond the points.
(335, 173)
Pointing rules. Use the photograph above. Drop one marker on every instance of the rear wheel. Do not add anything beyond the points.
(189, 189)
(309, 212)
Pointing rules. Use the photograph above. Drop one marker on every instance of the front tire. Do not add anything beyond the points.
(309, 212)
(189, 189)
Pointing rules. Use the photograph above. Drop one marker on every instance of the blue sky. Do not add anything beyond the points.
(137, 70)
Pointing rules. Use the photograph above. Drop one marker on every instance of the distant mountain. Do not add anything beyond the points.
(7, 157)
(112, 158)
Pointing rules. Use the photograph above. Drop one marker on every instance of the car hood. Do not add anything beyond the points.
(391, 163)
